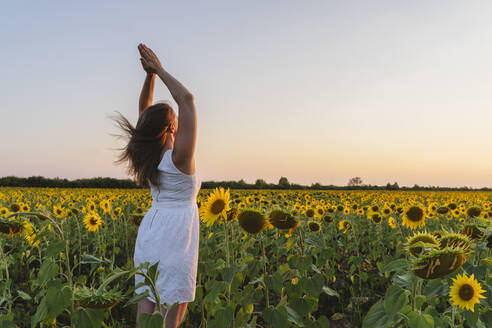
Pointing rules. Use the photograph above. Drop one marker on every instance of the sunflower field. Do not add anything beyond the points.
(267, 258)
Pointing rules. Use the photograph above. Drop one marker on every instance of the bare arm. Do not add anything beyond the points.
(184, 143)
(147, 93)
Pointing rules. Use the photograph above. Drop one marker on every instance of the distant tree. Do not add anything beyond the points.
(283, 182)
(354, 182)
(260, 183)
(316, 185)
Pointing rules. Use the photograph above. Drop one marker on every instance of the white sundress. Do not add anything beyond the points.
(169, 233)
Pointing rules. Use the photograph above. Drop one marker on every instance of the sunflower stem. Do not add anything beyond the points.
(5, 260)
(416, 291)
(80, 240)
(453, 313)
(227, 257)
(114, 244)
(227, 243)
(267, 301)
(98, 232)
(232, 238)
(69, 275)
(301, 241)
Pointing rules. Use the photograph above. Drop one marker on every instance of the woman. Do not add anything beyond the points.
(162, 156)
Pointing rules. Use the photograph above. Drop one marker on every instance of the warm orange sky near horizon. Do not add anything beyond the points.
(313, 91)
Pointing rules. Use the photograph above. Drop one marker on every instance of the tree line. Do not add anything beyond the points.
(283, 183)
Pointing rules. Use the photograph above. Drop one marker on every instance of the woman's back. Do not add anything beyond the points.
(175, 187)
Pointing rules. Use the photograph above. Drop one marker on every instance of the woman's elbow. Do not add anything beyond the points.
(187, 98)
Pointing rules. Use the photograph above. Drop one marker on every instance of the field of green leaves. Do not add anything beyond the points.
(267, 259)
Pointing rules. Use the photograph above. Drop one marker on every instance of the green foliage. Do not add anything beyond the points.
(361, 277)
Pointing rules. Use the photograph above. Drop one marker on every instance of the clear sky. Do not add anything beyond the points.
(317, 91)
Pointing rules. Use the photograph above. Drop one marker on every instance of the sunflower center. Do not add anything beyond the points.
(376, 218)
(93, 221)
(466, 292)
(314, 226)
(415, 214)
(217, 206)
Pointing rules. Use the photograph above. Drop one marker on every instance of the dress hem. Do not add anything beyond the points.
(179, 302)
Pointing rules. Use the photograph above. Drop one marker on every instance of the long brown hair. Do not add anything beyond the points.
(145, 142)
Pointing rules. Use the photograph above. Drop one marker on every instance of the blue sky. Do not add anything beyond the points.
(317, 91)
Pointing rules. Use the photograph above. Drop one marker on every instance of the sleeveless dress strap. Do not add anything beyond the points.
(169, 165)
(167, 162)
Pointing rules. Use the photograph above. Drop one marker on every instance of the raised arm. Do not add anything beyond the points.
(184, 143)
(147, 93)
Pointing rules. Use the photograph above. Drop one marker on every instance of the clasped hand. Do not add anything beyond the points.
(150, 61)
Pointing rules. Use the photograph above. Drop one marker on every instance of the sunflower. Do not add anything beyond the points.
(310, 212)
(328, 218)
(473, 211)
(472, 231)
(452, 239)
(252, 221)
(391, 222)
(346, 210)
(420, 243)
(15, 207)
(432, 207)
(344, 225)
(282, 220)
(4, 211)
(437, 234)
(232, 214)
(30, 233)
(216, 206)
(105, 205)
(465, 292)
(58, 211)
(91, 207)
(314, 226)
(319, 211)
(439, 262)
(375, 217)
(92, 221)
(442, 210)
(414, 217)
(386, 211)
(116, 213)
